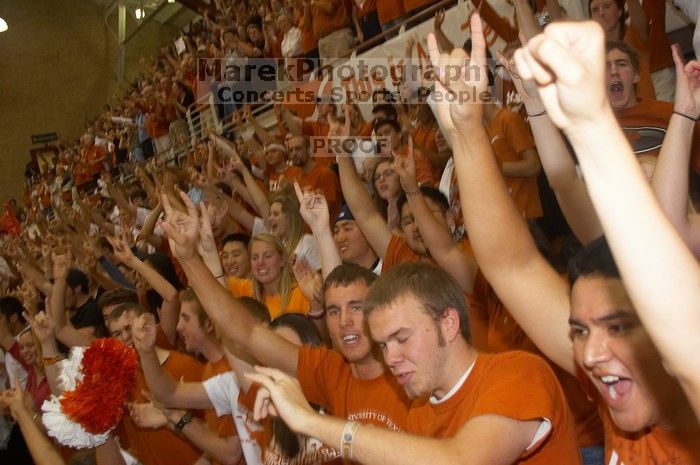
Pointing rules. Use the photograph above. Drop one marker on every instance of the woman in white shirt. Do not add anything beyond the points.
(291, 44)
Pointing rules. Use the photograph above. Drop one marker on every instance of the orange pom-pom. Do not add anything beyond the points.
(109, 376)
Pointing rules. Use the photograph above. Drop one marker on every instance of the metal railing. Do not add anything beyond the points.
(208, 120)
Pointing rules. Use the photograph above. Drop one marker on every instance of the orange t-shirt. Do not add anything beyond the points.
(505, 334)
(298, 303)
(277, 181)
(516, 385)
(162, 340)
(324, 24)
(314, 128)
(410, 5)
(398, 252)
(93, 157)
(660, 54)
(318, 129)
(365, 7)
(326, 380)
(645, 86)
(388, 10)
(82, 173)
(500, 25)
(323, 180)
(366, 130)
(424, 139)
(645, 125)
(308, 39)
(424, 170)
(654, 446)
(223, 426)
(163, 446)
(510, 136)
(165, 249)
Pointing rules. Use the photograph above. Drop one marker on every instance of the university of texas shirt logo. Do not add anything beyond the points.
(644, 138)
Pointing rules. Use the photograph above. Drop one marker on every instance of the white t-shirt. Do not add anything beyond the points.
(291, 43)
(14, 368)
(305, 249)
(378, 267)
(446, 178)
(223, 391)
(691, 8)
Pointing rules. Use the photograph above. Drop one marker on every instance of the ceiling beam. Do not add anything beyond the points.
(196, 5)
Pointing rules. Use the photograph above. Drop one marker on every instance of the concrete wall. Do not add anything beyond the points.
(57, 69)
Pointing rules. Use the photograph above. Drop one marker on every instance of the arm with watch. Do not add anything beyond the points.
(226, 451)
(165, 390)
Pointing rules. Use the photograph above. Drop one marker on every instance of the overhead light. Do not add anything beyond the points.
(138, 13)
(3, 25)
(171, 1)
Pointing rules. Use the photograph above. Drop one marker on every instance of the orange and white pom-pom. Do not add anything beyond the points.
(98, 380)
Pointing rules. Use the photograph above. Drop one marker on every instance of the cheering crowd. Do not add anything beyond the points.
(506, 281)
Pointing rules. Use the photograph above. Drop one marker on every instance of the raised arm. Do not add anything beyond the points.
(40, 447)
(555, 10)
(34, 274)
(149, 225)
(65, 332)
(531, 290)
(43, 328)
(527, 167)
(170, 308)
(436, 236)
(98, 219)
(379, 445)
(558, 164)
(314, 210)
(207, 247)
(646, 247)
(638, 18)
(670, 181)
(163, 387)
(260, 131)
(172, 393)
(258, 196)
(118, 196)
(527, 24)
(7, 340)
(294, 123)
(232, 319)
(373, 226)
(445, 44)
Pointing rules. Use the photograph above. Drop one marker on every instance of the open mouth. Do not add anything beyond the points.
(350, 340)
(616, 88)
(614, 387)
(403, 378)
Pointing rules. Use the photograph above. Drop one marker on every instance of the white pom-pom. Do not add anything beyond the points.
(70, 369)
(65, 430)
